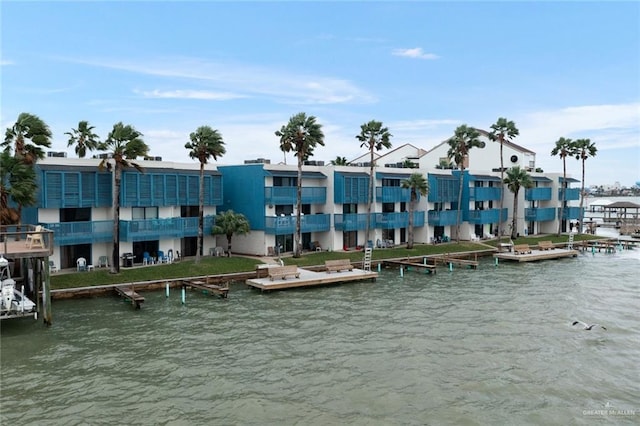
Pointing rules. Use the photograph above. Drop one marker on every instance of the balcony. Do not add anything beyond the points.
(442, 217)
(351, 221)
(569, 213)
(283, 195)
(537, 214)
(572, 194)
(486, 216)
(393, 194)
(282, 225)
(484, 194)
(156, 229)
(398, 220)
(537, 194)
(72, 233)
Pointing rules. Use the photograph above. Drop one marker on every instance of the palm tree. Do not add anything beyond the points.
(28, 127)
(373, 137)
(460, 144)
(17, 183)
(205, 143)
(584, 149)
(340, 161)
(564, 148)
(83, 138)
(418, 185)
(124, 143)
(516, 178)
(229, 223)
(301, 135)
(502, 130)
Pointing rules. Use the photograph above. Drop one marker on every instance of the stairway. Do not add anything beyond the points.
(366, 264)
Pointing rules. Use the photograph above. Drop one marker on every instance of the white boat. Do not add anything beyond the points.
(7, 294)
(22, 303)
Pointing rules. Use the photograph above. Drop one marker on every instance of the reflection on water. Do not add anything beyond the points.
(487, 346)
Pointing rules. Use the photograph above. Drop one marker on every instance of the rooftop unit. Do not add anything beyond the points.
(56, 154)
(258, 161)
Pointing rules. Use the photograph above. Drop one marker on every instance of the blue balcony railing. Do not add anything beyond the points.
(397, 220)
(281, 225)
(156, 229)
(569, 213)
(484, 194)
(537, 214)
(572, 194)
(393, 194)
(442, 217)
(486, 216)
(351, 221)
(71, 233)
(537, 194)
(282, 195)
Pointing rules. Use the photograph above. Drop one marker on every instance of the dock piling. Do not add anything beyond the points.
(167, 289)
(184, 295)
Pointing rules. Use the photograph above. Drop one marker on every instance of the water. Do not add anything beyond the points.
(468, 347)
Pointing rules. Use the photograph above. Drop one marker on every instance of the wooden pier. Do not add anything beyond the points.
(447, 259)
(130, 295)
(309, 278)
(205, 286)
(409, 265)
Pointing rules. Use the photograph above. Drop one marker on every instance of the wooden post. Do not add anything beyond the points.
(45, 278)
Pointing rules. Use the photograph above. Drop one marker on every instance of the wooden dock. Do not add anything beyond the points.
(536, 255)
(222, 291)
(409, 265)
(447, 259)
(130, 295)
(310, 278)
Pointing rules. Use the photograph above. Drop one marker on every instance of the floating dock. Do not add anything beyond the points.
(536, 255)
(208, 288)
(310, 278)
(131, 296)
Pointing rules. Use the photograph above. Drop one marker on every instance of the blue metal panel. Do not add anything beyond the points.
(536, 214)
(569, 213)
(244, 192)
(68, 189)
(442, 217)
(537, 194)
(72, 233)
(350, 222)
(397, 220)
(393, 194)
(156, 229)
(284, 195)
(351, 188)
(572, 194)
(443, 188)
(486, 216)
(283, 225)
(169, 189)
(484, 193)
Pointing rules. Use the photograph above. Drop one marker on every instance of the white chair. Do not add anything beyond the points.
(35, 238)
(81, 264)
(52, 267)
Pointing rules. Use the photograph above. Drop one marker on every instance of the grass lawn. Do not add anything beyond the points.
(224, 265)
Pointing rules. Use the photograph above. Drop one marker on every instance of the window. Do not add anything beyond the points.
(144, 213)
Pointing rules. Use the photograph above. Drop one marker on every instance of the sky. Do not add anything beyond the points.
(557, 69)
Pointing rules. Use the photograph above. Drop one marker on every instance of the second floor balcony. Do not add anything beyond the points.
(537, 214)
(89, 232)
(572, 194)
(569, 213)
(284, 195)
(398, 220)
(351, 222)
(442, 217)
(393, 194)
(486, 216)
(537, 194)
(282, 225)
(484, 193)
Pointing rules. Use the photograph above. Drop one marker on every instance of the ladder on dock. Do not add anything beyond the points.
(366, 264)
(570, 243)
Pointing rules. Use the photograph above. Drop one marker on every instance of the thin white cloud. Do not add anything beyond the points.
(190, 94)
(5, 62)
(416, 53)
(280, 85)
